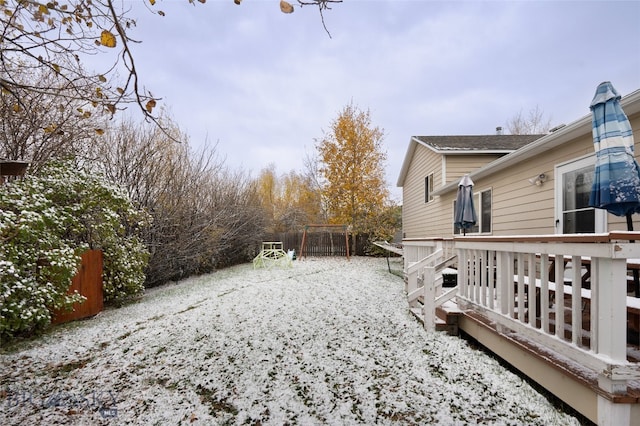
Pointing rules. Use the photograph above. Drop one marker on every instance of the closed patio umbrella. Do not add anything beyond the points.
(616, 182)
(464, 216)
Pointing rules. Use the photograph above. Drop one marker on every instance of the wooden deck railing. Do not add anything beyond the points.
(507, 279)
(564, 294)
(417, 249)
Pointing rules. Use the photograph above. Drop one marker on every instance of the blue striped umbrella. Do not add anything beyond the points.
(616, 183)
(464, 216)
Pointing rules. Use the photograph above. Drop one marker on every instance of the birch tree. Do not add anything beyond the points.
(352, 168)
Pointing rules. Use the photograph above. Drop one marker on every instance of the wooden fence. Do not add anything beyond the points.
(87, 282)
(321, 243)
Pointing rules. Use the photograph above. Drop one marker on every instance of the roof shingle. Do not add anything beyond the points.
(477, 142)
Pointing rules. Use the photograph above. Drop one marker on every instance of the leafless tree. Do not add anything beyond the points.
(57, 37)
(239, 220)
(322, 6)
(43, 126)
(60, 36)
(311, 166)
(204, 216)
(533, 124)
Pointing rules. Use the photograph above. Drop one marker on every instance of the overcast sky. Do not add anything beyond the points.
(264, 85)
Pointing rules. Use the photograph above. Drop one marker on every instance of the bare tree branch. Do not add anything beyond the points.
(322, 6)
(60, 36)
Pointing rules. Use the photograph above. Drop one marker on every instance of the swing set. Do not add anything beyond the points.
(324, 244)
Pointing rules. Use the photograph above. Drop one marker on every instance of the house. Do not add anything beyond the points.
(517, 291)
(431, 162)
(523, 185)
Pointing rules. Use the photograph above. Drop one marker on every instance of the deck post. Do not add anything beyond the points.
(463, 272)
(429, 306)
(559, 296)
(412, 284)
(528, 267)
(610, 414)
(611, 303)
(503, 281)
(610, 297)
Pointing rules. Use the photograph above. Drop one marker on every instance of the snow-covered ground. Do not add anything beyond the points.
(328, 341)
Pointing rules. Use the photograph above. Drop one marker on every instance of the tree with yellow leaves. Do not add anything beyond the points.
(352, 168)
(289, 201)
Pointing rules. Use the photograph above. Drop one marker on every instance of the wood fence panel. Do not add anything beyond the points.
(87, 282)
(320, 243)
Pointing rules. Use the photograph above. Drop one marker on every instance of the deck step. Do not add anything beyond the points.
(446, 317)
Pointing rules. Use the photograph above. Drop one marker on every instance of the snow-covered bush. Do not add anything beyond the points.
(46, 222)
(37, 264)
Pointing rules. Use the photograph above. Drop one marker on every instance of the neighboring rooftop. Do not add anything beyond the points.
(466, 144)
(476, 142)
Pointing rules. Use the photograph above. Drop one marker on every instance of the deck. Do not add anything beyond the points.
(576, 336)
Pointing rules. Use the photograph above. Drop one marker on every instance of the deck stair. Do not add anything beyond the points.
(425, 292)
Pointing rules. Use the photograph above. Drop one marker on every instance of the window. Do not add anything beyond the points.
(573, 187)
(428, 188)
(482, 204)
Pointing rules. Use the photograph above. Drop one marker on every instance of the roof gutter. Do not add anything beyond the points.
(630, 104)
(473, 151)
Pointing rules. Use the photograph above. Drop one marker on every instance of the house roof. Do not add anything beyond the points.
(630, 104)
(489, 143)
(465, 144)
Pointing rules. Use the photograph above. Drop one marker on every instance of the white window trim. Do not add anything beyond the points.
(600, 220)
(429, 178)
(478, 205)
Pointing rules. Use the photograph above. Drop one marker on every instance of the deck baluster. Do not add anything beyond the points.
(491, 279)
(544, 292)
(576, 301)
(531, 291)
(559, 296)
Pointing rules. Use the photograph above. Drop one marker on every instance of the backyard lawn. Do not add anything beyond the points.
(327, 341)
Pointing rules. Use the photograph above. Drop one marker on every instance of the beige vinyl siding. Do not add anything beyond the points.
(520, 208)
(433, 219)
(440, 223)
(460, 164)
(416, 214)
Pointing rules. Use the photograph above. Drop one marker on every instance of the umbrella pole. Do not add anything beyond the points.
(636, 273)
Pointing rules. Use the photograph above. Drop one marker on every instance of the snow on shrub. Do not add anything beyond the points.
(46, 222)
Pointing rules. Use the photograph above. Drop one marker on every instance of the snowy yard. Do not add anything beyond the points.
(328, 341)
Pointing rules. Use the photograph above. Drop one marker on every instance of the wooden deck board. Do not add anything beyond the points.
(446, 316)
(564, 365)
